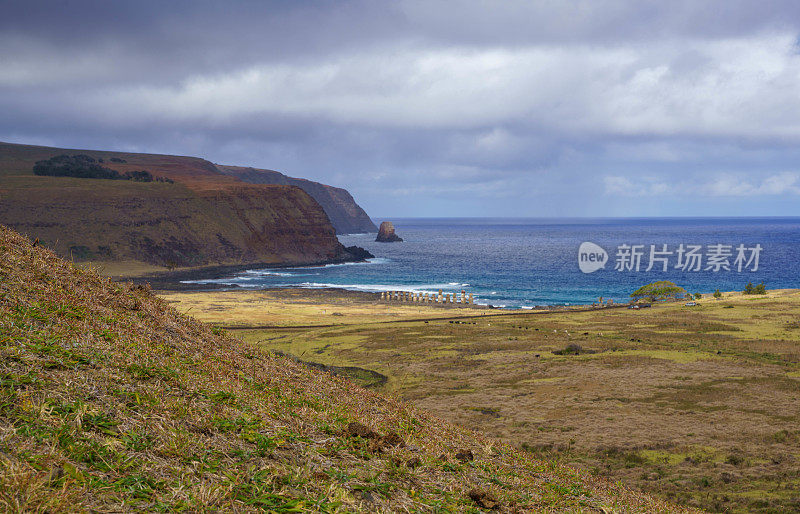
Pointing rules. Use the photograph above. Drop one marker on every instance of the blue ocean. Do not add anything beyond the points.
(522, 263)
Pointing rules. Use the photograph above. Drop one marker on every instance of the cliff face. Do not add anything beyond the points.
(345, 214)
(204, 218)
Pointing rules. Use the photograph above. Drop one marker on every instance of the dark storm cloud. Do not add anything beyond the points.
(458, 107)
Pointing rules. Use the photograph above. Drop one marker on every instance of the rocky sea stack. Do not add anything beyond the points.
(386, 234)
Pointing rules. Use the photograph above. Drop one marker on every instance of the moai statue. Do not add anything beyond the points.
(463, 297)
(471, 299)
(610, 301)
(440, 300)
(383, 295)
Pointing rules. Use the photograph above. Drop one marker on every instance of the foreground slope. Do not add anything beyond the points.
(111, 400)
(345, 214)
(202, 218)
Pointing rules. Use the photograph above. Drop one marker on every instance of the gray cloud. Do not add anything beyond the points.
(457, 108)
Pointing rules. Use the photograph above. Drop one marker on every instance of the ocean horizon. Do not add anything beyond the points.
(521, 263)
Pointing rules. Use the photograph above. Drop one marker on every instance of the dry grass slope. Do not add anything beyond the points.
(111, 400)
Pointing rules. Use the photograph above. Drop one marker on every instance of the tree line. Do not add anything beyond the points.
(84, 166)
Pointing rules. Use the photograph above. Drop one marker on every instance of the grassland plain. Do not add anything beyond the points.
(111, 400)
(698, 405)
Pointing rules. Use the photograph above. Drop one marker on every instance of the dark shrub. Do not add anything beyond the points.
(79, 166)
(83, 166)
(138, 176)
(751, 289)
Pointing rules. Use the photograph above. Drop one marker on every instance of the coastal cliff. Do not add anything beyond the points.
(194, 216)
(346, 216)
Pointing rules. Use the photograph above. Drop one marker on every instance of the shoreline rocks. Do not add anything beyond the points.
(359, 253)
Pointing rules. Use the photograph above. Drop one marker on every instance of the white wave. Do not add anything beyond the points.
(267, 273)
(287, 272)
(419, 288)
(224, 281)
(376, 260)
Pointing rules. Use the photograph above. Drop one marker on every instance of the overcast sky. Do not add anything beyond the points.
(427, 108)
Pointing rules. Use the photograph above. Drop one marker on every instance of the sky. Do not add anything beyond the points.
(432, 108)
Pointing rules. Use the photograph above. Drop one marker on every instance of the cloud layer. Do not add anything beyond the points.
(433, 108)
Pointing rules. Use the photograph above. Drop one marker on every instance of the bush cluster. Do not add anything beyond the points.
(751, 289)
(661, 290)
(83, 166)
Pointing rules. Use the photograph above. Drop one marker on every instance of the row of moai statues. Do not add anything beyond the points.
(442, 298)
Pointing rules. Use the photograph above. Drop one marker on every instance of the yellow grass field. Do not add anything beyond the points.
(302, 307)
(698, 405)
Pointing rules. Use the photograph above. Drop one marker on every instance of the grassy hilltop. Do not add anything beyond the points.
(112, 400)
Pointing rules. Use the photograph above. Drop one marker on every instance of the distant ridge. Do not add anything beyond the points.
(345, 214)
(193, 216)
